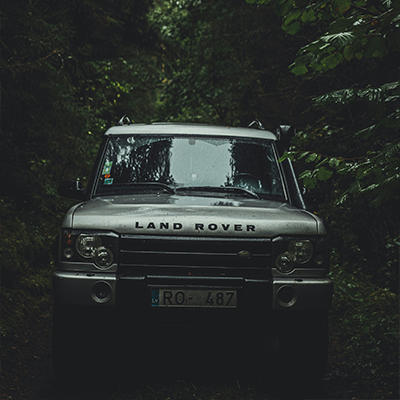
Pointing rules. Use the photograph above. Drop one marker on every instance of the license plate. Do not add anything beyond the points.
(193, 298)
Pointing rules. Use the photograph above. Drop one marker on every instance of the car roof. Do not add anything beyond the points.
(165, 128)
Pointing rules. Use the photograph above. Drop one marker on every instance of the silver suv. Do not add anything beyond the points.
(185, 224)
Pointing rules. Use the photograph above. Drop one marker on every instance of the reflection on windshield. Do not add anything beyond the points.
(190, 162)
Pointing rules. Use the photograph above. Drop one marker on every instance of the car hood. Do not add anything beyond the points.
(192, 216)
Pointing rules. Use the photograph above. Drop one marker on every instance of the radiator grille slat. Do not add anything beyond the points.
(154, 255)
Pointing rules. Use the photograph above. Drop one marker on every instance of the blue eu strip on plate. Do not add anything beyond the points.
(155, 297)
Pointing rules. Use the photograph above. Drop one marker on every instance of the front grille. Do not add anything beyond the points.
(142, 255)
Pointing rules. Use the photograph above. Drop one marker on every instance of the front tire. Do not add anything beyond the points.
(67, 357)
(82, 347)
(303, 347)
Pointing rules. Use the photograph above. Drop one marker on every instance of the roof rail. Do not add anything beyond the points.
(124, 121)
(256, 124)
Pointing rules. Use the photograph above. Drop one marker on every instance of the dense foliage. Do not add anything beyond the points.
(351, 139)
(69, 69)
(354, 142)
(223, 64)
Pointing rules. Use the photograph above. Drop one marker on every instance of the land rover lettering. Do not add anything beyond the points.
(225, 227)
(151, 225)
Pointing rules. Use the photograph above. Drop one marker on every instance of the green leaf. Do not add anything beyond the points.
(283, 7)
(311, 47)
(306, 174)
(308, 16)
(334, 163)
(341, 5)
(311, 158)
(367, 132)
(342, 25)
(349, 52)
(355, 187)
(299, 70)
(342, 199)
(391, 85)
(284, 157)
(391, 149)
(331, 61)
(302, 155)
(292, 17)
(324, 174)
(373, 94)
(369, 188)
(324, 161)
(340, 39)
(339, 97)
(310, 182)
(376, 47)
(292, 29)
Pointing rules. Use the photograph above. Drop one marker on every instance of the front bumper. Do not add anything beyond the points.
(79, 288)
(108, 290)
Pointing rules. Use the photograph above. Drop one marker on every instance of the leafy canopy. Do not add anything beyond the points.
(349, 36)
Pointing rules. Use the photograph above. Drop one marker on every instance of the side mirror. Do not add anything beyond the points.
(72, 190)
(284, 134)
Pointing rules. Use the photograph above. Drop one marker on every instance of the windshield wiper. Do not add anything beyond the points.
(222, 189)
(147, 185)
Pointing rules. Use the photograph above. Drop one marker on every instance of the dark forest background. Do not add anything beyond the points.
(70, 69)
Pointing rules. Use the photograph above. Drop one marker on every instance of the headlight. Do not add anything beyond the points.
(300, 253)
(89, 251)
(103, 257)
(86, 245)
(285, 262)
(302, 250)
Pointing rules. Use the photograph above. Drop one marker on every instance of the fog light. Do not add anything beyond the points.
(101, 292)
(103, 257)
(285, 262)
(68, 252)
(286, 296)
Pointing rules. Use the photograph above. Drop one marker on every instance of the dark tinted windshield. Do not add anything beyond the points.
(189, 162)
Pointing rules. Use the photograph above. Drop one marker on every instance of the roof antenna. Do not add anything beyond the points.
(124, 121)
(256, 124)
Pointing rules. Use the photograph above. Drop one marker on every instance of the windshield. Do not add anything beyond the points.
(184, 164)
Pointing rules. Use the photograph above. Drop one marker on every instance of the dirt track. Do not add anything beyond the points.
(27, 375)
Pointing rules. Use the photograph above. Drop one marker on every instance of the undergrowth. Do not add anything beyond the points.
(27, 267)
(365, 332)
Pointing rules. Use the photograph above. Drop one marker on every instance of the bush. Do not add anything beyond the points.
(27, 267)
(366, 331)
